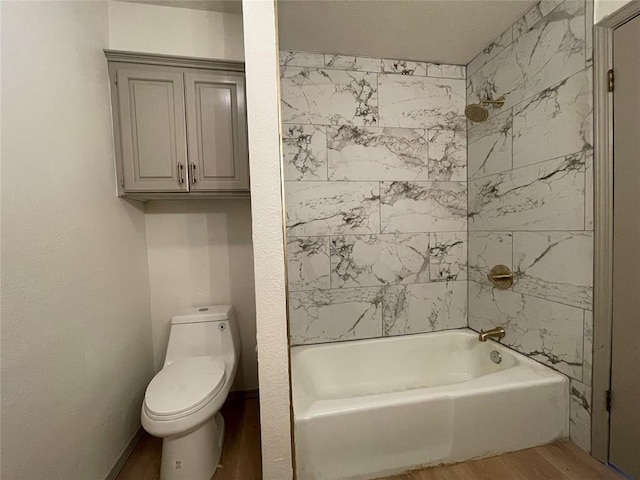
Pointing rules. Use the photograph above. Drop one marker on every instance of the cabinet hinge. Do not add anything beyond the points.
(611, 80)
(607, 395)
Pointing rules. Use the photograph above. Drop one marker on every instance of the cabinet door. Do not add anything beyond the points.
(216, 131)
(152, 128)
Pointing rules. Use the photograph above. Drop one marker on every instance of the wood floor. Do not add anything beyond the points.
(556, 461)
(241, 458)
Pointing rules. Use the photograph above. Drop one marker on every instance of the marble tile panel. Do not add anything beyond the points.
(545, 196)
(580, 415)
(421, 102)
(534, 15)
(557, 266)
(304, 152)
(543, 56)
(553, 49)
(528, 20)
(588, 192)
(404, 67)
(388, 259)
(548, 332)
(561, 115)
(328, 97)
(326, 208)
(487, 249)
(442, 70)
(489, 52)
(374, 153)
(360, 64)
(448, 256)
(426, 307)
(547, 6)
(490, 144)
(447, 155)
(309, 263)
(290, 58)
(587, 364)
(334, 315)
(408, 207)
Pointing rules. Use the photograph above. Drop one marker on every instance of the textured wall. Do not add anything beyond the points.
(530, 193)
(76, 333)
(260, 40)
(376, 196)
(175, 31)
(604, 8)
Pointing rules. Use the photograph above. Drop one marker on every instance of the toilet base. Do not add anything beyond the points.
(195, 455)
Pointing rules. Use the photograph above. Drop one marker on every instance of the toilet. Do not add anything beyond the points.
(182, 403)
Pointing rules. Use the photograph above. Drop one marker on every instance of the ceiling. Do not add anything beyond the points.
(225, 6)
(447, 31)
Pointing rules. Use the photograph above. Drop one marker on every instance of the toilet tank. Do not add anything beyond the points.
(205, 331)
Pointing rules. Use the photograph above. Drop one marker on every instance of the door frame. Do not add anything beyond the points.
(603, 225)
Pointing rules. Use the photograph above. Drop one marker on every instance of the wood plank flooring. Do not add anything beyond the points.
(556, 461)
(241, 458)
(241, 455)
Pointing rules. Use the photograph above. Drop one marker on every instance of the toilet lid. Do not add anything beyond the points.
(184, 384)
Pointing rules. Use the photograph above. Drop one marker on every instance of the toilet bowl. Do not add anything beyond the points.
(182, 403)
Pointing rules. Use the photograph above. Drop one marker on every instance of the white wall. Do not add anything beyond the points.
(268, 237)
(76, 333)
(200, 253)
(175, 31)
(604, 8)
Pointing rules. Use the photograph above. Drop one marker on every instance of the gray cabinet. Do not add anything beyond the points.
(152, 128)
(216, 131)
(179, 126)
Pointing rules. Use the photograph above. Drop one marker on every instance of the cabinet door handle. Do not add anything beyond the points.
(193, 173)
(180, 173)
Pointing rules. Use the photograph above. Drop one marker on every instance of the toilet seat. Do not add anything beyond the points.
(183, 387)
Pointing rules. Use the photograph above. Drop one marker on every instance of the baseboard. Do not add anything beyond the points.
(124, 456)
(243, 394)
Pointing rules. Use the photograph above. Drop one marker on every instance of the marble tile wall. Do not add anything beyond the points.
(375, 167)
(530, 193)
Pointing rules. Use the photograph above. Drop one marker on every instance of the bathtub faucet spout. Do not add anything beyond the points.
(497, 333)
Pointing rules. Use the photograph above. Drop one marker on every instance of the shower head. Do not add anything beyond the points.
(477, 112)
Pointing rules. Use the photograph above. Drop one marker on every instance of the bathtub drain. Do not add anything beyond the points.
(495, 356)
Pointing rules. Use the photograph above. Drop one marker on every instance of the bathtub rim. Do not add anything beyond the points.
(527, 373)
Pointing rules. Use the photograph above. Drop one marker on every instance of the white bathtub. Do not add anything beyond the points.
(371, 408)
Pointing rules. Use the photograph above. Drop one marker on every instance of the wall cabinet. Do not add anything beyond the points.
(179, 126)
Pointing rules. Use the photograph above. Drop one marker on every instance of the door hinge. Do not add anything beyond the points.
(122, 180)
(607, 396)
(611, 80)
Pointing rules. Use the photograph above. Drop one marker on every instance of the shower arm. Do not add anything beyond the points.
(499, 102)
